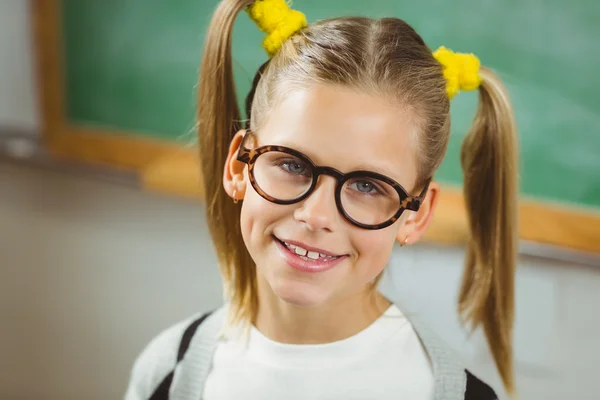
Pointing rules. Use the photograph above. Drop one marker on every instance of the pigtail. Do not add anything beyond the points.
(218, 120)
(489, 161)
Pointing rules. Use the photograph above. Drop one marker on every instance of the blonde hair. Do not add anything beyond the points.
(384, 56)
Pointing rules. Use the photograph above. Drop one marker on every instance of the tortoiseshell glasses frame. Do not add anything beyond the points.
(406, 201)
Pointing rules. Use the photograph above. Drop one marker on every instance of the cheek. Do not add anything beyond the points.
(374, 250)
(257, 218)
(251, 217)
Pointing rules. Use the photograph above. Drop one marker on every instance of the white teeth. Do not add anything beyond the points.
(313, 254)
(309, 255)
(300, 251)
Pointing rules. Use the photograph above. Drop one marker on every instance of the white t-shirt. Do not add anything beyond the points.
(384, 361)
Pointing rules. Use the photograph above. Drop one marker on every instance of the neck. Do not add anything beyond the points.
(337, 320)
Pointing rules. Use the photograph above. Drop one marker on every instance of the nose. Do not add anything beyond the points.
(319, 211)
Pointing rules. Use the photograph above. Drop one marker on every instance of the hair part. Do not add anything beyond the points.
(388, 58)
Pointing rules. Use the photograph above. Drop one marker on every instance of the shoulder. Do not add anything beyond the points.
(158, 358)
(450, 373)
(476, 389)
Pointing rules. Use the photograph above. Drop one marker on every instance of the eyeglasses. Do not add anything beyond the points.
(365, 199)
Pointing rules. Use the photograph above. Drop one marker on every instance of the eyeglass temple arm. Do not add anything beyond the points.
(243, 151)
(415, 201)
(424, 191)
(243, 155)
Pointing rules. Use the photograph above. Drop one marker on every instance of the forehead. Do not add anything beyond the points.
(345, 129)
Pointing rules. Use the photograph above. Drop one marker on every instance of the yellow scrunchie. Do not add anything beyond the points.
(460, 70)
(277, 20)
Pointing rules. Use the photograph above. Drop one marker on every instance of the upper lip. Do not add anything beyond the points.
(310, 248)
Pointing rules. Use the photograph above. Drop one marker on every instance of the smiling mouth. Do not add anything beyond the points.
(307, 254)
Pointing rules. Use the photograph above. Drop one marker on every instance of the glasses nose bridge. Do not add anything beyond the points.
(334, 173)
(317, 173)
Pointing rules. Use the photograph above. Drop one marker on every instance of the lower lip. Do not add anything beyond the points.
(300, 264)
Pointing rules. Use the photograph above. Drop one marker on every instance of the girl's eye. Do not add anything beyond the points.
(295, 166)
(366, 187)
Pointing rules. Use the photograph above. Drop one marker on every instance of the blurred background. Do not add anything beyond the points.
(103, 240)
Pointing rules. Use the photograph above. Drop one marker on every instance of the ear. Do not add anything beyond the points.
(234, 180)
(416, 223)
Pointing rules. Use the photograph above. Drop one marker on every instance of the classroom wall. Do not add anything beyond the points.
(18, 103)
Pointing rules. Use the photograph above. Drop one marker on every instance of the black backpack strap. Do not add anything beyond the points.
(162, 391)
(477, 389)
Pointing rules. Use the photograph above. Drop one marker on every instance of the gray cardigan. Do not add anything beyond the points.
(176, 363)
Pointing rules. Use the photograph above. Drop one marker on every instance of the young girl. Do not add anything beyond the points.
(348, 122)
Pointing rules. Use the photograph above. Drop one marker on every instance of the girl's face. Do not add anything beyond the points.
(347, 130)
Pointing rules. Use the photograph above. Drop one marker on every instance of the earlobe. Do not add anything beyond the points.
(417, 222)
(234, 181)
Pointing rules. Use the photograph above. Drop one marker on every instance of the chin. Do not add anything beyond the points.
(300, 294)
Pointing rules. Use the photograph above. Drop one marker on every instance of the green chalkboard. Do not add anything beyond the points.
(133, 65)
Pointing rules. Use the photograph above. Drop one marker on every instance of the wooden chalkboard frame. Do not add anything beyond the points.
(80, 143)
(166, 167)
